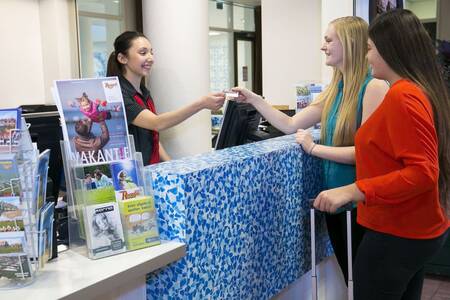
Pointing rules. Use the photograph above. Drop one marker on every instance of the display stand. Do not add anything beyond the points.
(82, 205)
(21, 238)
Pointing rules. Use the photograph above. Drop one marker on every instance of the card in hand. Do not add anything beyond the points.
(231, 95)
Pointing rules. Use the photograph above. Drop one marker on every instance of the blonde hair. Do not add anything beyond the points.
(353, 35)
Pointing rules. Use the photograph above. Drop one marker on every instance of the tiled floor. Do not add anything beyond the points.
(436, 288)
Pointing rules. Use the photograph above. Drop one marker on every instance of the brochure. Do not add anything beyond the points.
(40, 183)
(11, 218)
(95, 184)
(14, 266)
(127, 184)
(10, 125)
(139, 222)
(12, 243)
(9, 175)
(104, 230)
(45, 236)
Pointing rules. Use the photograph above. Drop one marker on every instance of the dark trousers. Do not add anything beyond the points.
(389, 267)
(337, 230)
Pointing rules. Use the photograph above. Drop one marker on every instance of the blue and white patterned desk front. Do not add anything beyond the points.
(243, 213)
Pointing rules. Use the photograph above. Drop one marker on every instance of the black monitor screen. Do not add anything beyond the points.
(239, 119)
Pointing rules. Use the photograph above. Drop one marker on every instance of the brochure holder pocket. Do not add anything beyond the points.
(110, 205)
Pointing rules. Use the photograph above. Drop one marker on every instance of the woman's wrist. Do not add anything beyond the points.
(200, 103)
(311, 148)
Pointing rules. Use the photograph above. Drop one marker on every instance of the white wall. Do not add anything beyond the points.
(59, 42)
(21, 73)
(291, 36)
(425, 9)
(34, 50)
(332, 9)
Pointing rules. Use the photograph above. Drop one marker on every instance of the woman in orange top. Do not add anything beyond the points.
(402, 164)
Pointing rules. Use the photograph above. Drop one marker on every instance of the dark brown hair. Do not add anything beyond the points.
(83, 128)
(122, 44)
(406, 47)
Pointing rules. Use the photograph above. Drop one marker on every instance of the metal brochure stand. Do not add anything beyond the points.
(80, 228)
(20, 256)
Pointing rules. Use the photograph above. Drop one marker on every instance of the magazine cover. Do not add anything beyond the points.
(10, 214)
(139, 222)
(93, 119)
(46, 232)
(125, 175)
(104, 230)
(9, 176)
(10, 126)
(14, 266)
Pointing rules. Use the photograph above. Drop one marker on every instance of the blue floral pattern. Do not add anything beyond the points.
(243, 213)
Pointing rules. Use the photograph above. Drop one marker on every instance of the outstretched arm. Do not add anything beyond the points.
(147, 119)
(304, 119)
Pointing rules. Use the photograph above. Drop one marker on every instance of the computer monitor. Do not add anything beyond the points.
(238, 121)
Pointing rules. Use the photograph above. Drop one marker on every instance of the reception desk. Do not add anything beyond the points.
(243, 214)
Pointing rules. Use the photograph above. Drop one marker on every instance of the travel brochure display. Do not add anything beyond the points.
(26, 220)
(111, 208)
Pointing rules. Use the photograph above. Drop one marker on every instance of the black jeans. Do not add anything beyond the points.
(389, 267)
(337, 230)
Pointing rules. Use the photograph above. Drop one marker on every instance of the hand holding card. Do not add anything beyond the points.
(242, 95)
(231, 95)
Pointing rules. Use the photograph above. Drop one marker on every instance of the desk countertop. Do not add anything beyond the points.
(74, 276)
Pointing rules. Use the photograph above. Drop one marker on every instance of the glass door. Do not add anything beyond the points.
(244, 54)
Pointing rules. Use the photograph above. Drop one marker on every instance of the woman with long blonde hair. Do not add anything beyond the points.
(342, 107)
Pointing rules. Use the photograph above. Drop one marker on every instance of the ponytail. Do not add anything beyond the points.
(114, 68)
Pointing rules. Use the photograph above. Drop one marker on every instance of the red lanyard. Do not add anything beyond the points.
(154, 156)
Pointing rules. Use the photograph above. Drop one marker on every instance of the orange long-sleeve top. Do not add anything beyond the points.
(397, 166)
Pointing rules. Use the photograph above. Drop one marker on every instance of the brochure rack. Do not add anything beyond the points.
(121, 229)
(22, 239)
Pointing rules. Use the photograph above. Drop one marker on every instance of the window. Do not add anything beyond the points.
(99, 23)
(221, 60)
(224, 20)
